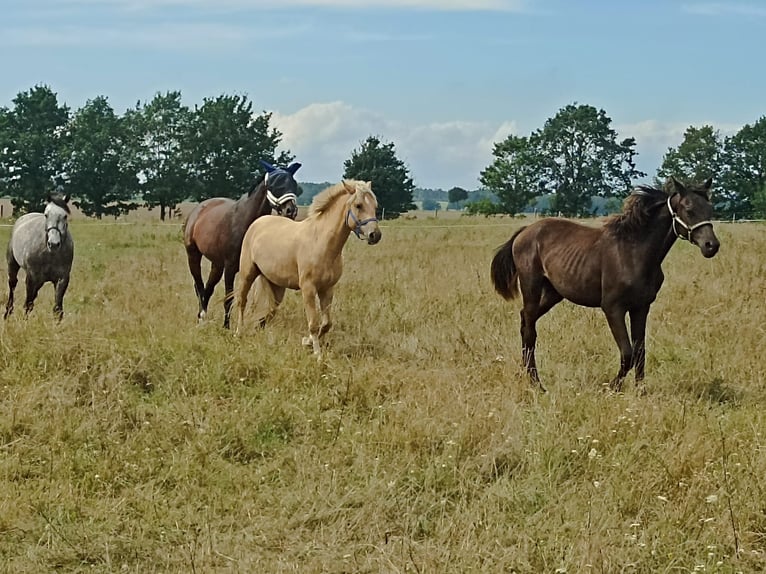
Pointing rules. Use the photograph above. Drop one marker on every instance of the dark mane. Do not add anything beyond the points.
(60, 200)
(636, 211)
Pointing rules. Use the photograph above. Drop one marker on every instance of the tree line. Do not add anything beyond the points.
(576, 157)
(161, 152)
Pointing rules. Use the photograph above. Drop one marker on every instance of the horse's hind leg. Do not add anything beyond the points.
(274, 294)
(13, 280)
(216, 272)
(195, 267)
(531, 291)
(61, 287)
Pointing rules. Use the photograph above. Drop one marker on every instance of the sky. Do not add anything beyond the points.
(442, 80)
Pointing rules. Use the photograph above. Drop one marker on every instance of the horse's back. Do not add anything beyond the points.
(567, 253)
(205, 223)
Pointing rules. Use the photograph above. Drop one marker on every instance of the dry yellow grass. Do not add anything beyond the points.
(132, 440)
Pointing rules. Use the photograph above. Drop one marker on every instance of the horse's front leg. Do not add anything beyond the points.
(61, 287)
(325, 305)
(13, 279)
(638, 334)
(33, 287)
(230, 272)
(310, 302)
(247, 275)
(616, 320)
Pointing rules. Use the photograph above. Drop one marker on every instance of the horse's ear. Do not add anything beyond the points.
(350, 188)
(708, 183)
(267, 166)
(676, 185)
(293, 167)
(66, 198)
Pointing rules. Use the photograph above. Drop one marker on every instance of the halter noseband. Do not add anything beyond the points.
(682, 223)
(357, 229)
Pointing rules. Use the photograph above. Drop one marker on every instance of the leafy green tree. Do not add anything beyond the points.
(377, 162)
(759, 203)
(744, 175)
(483, 206)
(698, 157)
(226, 142)
(100, 179)
(578, 156)
(160, 136)
(33, 141)
(513, 176)
(431, 205)
(457, 194)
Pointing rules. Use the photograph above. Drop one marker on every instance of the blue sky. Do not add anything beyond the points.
(441, 79)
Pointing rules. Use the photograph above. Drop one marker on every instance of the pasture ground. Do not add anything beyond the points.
(132, 440)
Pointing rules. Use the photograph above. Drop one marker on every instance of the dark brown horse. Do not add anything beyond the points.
(617, 267)
(215, 229)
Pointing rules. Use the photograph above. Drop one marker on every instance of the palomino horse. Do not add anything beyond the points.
(306, 255)
(617, 267)
(41, 245)
(215, 229)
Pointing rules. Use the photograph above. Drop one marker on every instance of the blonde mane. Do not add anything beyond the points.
(325, 198)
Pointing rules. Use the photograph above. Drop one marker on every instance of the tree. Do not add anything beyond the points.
(744, 174)
(161, 155)
(512, 177)
(100, 178)
(483, 206)
(578, 156)
(431, 205)
(391, 182)
(456, 195)
(697, 158)
(226, 142)
(33, 139)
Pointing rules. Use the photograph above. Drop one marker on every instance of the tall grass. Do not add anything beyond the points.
(132, 440)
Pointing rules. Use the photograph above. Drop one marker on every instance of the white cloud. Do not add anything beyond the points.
(438, 154)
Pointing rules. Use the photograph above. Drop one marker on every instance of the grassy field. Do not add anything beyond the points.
(132, 440)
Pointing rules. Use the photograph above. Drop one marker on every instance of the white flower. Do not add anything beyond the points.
(711, 498)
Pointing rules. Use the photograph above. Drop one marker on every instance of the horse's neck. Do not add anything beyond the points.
(661, 235)
(248, 208)
(332, 225)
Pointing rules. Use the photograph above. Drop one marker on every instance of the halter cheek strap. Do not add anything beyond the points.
(682, 223)
(357, 229)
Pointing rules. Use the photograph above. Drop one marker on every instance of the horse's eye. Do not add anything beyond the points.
(359, 206)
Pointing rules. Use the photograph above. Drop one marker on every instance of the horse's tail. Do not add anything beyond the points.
(505, 276)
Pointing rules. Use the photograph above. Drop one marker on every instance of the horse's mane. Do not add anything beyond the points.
(258, 181)
(60, 200)
(325, 198)
(636, 210)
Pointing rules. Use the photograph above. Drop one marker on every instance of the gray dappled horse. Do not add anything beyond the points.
(41, 245)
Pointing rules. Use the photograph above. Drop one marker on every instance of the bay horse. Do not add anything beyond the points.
(215, 228)
(306, 255)
(617, 267)
(42, 246)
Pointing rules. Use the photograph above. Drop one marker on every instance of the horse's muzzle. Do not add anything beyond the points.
(709, 248)
(374, 236)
